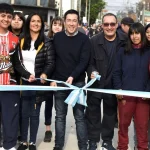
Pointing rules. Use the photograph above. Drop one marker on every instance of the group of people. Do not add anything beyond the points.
(66, 54)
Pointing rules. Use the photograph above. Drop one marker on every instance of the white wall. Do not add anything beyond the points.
(66, 5)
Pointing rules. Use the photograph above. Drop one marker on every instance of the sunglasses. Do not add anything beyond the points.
(112, 24)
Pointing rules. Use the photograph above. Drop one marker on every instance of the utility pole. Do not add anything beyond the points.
(79, 7)
(143, 11)
(89, 12)
(86, 5)
(72, 4)
(60, 8)
(38, 2)
(12, 1)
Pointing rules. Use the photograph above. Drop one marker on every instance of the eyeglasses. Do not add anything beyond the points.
(112, 24)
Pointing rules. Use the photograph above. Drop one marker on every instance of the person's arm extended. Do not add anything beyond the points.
(18, 66)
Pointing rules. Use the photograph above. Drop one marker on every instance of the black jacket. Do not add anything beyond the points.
(100, 60)
(45, 58)
(44, 63)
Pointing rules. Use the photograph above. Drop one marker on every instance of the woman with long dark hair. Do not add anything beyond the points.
(57, 25)
(131, 73)
(38, 58)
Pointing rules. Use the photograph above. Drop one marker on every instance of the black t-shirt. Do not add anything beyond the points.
(111, 52)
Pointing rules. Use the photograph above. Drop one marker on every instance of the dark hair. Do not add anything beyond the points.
(147, 26)
(127, 21)
(21, 16)
(55, 20)
(71, 11)
(27, 36)
(6, 8)
(136, 28)
(109, 14)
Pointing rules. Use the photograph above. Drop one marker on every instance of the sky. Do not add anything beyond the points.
(115, 5)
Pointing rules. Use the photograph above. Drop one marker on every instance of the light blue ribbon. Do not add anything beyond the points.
(77, 95)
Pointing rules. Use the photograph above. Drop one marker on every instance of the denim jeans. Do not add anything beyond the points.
(60, 120)
(30, 113)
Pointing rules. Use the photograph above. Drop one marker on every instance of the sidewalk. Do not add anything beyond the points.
(71, 140)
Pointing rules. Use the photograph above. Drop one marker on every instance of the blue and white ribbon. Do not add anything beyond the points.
(77, 95)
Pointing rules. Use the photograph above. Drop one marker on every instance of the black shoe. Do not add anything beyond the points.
(32, 147)
(48, 136)
(92, 145)
(22, 147)
(1, 143)
(19, 138)
(116, 125)
(57, 148)
(106, 146)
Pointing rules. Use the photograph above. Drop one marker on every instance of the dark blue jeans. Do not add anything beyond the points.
(9, 103)
(30, 113)
(60, 121)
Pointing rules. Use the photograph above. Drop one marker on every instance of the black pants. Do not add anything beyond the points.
(48, 108)
(9, 102)
(93, 116)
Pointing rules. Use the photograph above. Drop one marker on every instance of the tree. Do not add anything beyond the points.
(95, 8)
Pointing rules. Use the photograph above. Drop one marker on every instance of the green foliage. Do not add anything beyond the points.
(95, 7)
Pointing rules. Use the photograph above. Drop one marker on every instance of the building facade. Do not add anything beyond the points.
(47, 8)
(64, 5)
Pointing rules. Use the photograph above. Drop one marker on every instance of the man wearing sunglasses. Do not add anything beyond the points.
(105, 46)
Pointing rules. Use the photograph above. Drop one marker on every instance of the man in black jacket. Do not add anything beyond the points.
(72, 58)
(104, 48)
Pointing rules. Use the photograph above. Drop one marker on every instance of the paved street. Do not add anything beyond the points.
(71, 141)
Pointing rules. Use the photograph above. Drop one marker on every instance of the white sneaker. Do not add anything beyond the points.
(13, 148)
(103, 148)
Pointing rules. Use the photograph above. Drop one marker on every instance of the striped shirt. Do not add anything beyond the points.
(8, 43)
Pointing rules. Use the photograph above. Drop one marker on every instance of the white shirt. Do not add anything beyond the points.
(29, 58)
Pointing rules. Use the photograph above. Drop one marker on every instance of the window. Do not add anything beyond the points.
(44, 3)
(26, 2)
(5, 1)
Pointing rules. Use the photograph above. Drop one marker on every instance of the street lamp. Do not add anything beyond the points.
(143, 11)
